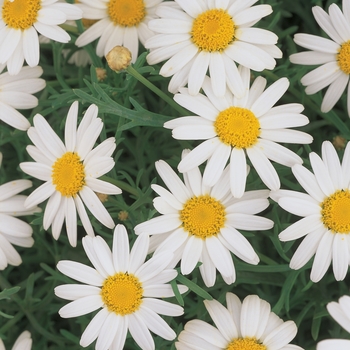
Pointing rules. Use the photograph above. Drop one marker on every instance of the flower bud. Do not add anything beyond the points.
(118, 58)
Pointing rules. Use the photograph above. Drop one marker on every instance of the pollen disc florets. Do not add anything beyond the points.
(68, 174)
(20, 14)
(122, 293)
(343, 57)
(203, 216)
(127, 13)
(213, 30)
(336, 212)
(237, 127)
(245, 344)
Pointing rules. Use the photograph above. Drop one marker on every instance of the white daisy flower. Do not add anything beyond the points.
(333, 55)
(234, 128)
(120, 23)
(201, 223)
(23, 342)
(341, 313)
(325, 211)
(13, 230)
(20, 22)
(247, 325)
(16, 92)
(125, 287)
(200, 35)
(70, 171)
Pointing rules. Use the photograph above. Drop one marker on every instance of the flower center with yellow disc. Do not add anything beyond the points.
(20, 14)
(122, 293)
(127, 13)
(237, 127)
(213, 30)
(245, 344)
(68, 174)
(343, 57)
(336, 212)
(203, 216)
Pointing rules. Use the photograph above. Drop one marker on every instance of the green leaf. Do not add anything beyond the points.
(6, 293)
(177, 293)
(194, 287)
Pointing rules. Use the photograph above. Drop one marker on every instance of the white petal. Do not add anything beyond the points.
(222, 319)
(220, 256)
(191, 254)
(81, 306)
(301, 228)
(95, 206)
(340, 256)
(323, 257)
(93, 328)
(80, 272)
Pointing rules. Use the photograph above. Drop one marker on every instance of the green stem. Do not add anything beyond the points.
(132, 71)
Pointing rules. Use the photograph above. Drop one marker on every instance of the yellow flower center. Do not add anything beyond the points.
(68, 174)
(203, 216)
(213, 30)
(122, 293)
(127, 13)
(343, 57)
(238, 127)
(245, 344)
(20, 14)
(336, 212)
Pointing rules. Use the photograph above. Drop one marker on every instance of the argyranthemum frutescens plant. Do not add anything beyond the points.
(70, 171)
(13, 230)
(341, 313)
(126, 288)
(333, 55)
(196, 36)
(236, 128)
(133, 116)
(16, 92)
(119, 22)
(325, 210)
(20, 22)
(199, 223)
(247, 325)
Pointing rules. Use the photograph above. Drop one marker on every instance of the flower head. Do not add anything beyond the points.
(23, 342)
(126, 288)
(16, 92)
(247, 325)
(70, 171)
(325, 210)
(195, 36)
(120, 22)
(332, 54)
(341, 313)
(20, 22)
(13, 230)
(199, 223)
(233, 128)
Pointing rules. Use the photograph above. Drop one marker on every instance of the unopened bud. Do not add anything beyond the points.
(123, 215)
(101, 74)
(119, 58)
(102, 197)
(339, 142)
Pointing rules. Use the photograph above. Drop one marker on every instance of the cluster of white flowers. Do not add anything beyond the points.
(209, 49)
